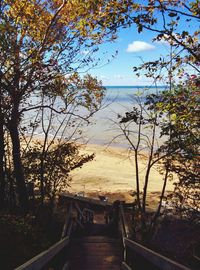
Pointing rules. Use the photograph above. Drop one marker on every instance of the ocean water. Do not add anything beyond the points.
(103, 127)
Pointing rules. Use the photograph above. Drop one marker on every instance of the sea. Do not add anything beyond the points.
(103, 127)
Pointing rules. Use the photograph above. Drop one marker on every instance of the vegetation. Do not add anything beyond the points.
(171, 114)
(44, 44)
(184, 144)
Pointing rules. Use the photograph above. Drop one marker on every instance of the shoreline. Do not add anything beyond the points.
(111, 173)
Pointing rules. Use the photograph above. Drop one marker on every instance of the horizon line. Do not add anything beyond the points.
(150, 86)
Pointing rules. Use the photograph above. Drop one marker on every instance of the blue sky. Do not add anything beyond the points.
(131, 47)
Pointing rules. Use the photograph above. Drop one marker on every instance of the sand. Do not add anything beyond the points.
(112, 173)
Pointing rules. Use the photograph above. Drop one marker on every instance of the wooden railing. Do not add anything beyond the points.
(71, 197)
(124, 227)
(137, 256)
(43, 259)
(75, 216)
(151, 259)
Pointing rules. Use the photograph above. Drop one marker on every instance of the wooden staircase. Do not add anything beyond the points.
(95, 253)
(96, 249)
(88, 245)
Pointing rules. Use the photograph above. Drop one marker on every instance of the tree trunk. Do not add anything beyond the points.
(157, 214)
(18, 168)
(2, 174)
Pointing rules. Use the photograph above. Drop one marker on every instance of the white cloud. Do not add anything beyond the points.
(140, 46)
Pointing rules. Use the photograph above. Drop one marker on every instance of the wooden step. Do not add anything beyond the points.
(95, 253)
(97, 239)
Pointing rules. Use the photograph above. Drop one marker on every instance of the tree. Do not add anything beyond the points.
(2, 171)
(60, 159)
(60, 126)
(41, 44)
(178, 123)
(141, 129)
(180, 120)
(165, 18)
(181, 104)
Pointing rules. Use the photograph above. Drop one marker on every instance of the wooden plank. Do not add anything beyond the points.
(89, 215)
(155, 258)
(88, 210)
(68, 216)
(99, 239)
(96, 267)
(125, 266)
(99, 247)
(196, 258)
(79, 211)
(66, 266)
(84, 199)
(124, 224)
(44, 257)
(79, 223)
(68, 233)
(97, 255)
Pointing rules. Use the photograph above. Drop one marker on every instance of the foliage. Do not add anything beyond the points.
(182, 108)
(19, 237)
(178, 106)
(60, 159)
(140, 127)
(44, 44)
(165, 19)
(176, 109)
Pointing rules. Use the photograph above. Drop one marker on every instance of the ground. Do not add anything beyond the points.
(112, 171)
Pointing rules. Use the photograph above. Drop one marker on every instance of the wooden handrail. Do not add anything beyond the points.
(67, 221)
(155, 258)
(125, 266)
(124, 225)
(79, 211)
(88, 210)
(85, 199)
(42, 259)
(82, 216)
(130, 247)
(89, 215)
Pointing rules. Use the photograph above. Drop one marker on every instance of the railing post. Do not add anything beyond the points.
(68, 216)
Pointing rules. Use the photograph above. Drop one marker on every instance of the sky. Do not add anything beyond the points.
(133, 48)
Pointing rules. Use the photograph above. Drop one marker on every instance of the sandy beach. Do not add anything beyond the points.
(112, 173)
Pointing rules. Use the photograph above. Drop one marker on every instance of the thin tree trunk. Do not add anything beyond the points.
(18, 168)
(137, 179)
(157, 214)
(2, 174)
(148, 169)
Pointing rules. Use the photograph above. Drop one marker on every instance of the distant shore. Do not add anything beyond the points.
(112, 173)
